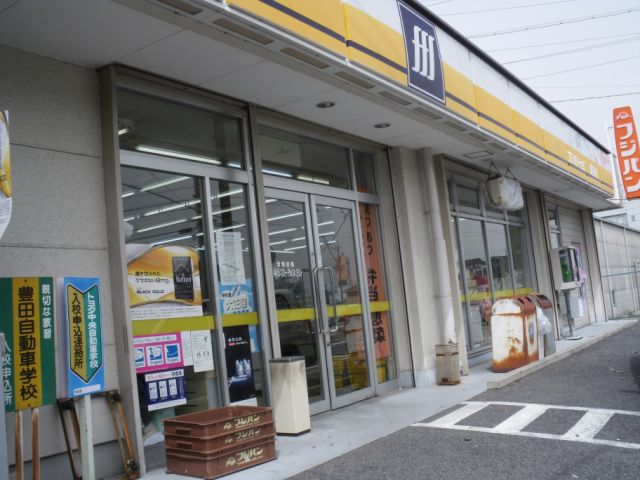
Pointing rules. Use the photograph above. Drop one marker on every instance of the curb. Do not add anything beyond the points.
(556, 357)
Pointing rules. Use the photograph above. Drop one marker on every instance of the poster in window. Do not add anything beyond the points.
(378, 303)
(239, 363)
(230, 261)
(164, 282)
(6, 189)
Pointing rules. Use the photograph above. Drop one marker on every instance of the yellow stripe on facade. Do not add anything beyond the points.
(462, 88)
(500, 113)
(365, 30)
(326, 13)
(530, 135)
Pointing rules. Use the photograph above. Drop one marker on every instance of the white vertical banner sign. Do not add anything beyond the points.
(5, 173)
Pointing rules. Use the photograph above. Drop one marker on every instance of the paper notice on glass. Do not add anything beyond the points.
(230, 263)
(186, 348)
(201, 350)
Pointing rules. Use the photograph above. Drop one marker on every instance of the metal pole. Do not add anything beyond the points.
(4, 460)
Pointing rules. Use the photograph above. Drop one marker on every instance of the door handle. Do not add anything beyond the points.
(333, 326)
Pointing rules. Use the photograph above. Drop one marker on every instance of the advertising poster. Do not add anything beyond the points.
(164, 282)
(230, 262)
(164, 389)
(29, 364)
(201, 350)
(85, 365)
(6, 192)
(379, 319)
(158, 352)
(236, 298)
(239, 364)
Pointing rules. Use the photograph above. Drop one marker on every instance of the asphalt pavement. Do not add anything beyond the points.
(578, 418)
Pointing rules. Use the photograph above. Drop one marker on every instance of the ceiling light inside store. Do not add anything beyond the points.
(174, 153)
(382, 125)
(279, 243)
(286, 230)
(296, 248)
(163, 183)
(279, 173)
(314, 179)
(326, 233)
(280, 217)
(124, 130)
(240, 225)
(162, 225)
(128, 194)
(325, 104)
(330, 222)
(170, 240)
(234, 165)
(478, 154)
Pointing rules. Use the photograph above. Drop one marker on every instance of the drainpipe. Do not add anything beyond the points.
(443, 294)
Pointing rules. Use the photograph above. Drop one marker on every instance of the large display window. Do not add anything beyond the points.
(494, 257)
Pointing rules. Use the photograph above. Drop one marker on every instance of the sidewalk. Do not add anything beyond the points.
(338, 432)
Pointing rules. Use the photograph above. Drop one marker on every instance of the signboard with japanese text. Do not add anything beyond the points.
(375, 285)
(85, 363)
(164, 282)
(164, 389)
(27, 320)
(6, 190)
(628, 151)
(236, 298)
(158, 352)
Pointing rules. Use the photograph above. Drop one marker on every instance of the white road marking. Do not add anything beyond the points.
(520, 419)
(589, 425)
(584, 431)
(459, 414)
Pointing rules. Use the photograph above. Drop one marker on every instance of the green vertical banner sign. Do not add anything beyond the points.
(85, 366)
(29, 364)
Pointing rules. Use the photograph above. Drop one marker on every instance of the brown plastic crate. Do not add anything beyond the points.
(219, 421)
(210, 445)
(229, 461)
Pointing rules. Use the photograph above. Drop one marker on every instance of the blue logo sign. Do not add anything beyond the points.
(424, 64)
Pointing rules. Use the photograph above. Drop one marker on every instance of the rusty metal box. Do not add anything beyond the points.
(209, 466)
(217, 422)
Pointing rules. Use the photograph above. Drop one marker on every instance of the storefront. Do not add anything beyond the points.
(251, 181)
(193, 236)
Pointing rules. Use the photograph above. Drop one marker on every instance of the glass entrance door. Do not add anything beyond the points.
(318, 285)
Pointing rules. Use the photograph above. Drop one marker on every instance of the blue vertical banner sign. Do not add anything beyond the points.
(85, 364)
(424, 63)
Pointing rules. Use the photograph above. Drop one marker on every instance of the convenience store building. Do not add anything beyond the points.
(270, 178)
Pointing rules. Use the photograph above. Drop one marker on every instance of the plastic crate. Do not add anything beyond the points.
(225, 462)
(213, 444)
(219, 421)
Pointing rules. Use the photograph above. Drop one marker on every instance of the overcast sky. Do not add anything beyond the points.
(617, 33)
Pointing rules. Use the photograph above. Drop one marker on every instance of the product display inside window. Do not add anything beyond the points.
(171, 294)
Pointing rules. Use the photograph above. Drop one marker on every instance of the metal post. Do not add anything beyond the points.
(4, 459)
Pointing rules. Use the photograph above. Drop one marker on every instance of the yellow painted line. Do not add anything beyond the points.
(379, 307)
(237, 319)
(296, 314)
(171, 325)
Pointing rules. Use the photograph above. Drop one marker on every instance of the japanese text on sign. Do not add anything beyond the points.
(628, 153)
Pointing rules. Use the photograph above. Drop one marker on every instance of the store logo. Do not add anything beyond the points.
(424, 67)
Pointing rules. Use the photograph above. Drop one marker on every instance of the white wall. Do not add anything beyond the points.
(417, 262)
(58, 223)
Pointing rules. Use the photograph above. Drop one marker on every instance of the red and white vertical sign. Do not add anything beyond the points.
(628, 151)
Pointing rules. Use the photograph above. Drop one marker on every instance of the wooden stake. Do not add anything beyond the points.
(35, 443)
(19, 461)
